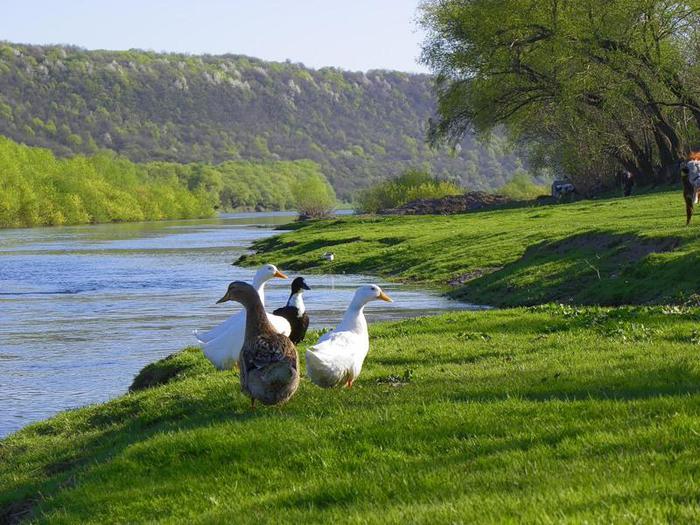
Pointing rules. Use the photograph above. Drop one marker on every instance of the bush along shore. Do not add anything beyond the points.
(39, 189)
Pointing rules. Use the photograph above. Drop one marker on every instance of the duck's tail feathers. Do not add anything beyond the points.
(281, 373)
(199, 336)
(319, 371)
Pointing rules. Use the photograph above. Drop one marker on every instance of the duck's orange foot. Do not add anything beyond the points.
(349, 383)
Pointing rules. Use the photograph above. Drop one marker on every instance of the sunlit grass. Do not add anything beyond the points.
(545, 415)
(611, 251)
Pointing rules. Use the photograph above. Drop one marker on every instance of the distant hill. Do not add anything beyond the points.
(359, 127)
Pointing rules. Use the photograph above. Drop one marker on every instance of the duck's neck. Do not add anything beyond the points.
(259, 285)
(297, 301)
(256, 321)
(354, 318)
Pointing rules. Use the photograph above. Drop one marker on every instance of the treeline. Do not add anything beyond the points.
(360, 128)
(246, 185)
(37, 188)
(591, 87)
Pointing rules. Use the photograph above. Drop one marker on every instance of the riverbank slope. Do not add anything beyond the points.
(610, 251)
(542, 414)
(545, 414)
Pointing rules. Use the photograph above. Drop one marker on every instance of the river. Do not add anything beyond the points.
(84, 308)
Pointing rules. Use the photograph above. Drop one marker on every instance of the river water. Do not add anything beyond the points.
(84, 308)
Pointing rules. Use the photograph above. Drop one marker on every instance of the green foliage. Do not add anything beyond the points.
(592, 85)
(522, 188)
(612, 251)
(313, 196)
(503, 416)
(358, 127)
(39, 189)
(411, 185)
(273, 185)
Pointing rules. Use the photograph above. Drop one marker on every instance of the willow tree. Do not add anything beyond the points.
(589, 85)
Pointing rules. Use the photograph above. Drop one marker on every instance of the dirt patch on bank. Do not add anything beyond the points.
(474, 200)
(471, 275)
(624, 248)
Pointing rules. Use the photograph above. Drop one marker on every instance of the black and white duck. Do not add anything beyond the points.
(295, 311)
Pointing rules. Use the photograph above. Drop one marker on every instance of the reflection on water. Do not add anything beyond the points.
(84, 308)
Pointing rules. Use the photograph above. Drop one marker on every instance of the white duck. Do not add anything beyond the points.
(337, 357)
(222, 344)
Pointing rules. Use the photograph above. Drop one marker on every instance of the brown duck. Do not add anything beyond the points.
(268, 361)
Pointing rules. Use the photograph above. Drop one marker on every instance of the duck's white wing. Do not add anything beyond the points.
(330, 361)
(280, 324)
(228, 324)
(326, 337)
(224, 349)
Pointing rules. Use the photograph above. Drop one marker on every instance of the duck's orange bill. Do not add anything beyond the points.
(280, 275)
(385, 297)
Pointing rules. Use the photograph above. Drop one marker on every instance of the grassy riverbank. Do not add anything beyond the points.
(610, 251)
(541, 415)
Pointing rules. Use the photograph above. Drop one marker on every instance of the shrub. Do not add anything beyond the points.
(313, 196)
(38, 188)
(410, 186)
(522, 187)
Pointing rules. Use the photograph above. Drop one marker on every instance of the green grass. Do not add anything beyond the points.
(546, 414)
(549, 414)
(610, 252)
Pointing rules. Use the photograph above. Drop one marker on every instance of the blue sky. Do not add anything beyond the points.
(352, 34)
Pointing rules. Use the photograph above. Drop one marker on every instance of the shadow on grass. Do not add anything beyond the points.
(592, 268)
(432, 359)
(128, 420)
(542, 386)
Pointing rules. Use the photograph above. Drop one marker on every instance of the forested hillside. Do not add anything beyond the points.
(359, 127)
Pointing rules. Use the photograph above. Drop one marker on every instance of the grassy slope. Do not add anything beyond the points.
(612, 251)
(549, 414)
